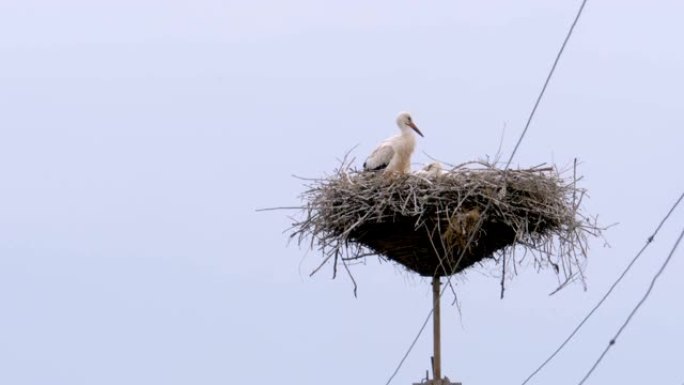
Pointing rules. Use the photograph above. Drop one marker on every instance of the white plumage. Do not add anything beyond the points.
(433, 170)
(394, 154)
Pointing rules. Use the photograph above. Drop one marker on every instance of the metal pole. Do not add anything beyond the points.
(437, 367)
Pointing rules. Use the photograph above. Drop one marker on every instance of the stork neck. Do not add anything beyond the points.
(408, 138)
(407, 131)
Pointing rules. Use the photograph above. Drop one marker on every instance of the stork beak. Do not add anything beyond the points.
(410, 124)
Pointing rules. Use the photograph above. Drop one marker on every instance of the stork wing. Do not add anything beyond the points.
(379, 159)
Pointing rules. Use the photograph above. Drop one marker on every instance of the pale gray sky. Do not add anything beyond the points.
(137, 138)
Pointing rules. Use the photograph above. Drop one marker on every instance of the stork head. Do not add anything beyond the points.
(405, 123)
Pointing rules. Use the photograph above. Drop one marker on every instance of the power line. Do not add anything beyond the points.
(510, 159)
(413, 343)
(649, 240)
(636, 308)
(548, 78)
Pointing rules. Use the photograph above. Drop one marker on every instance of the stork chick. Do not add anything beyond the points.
(432, 170)
(394, 153)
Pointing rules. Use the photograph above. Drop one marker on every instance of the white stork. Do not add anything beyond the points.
(432, 170)
(394, 154)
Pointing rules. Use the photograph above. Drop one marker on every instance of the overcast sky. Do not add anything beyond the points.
(137, 138)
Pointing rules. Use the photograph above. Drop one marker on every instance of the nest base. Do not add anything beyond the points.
(437, 254)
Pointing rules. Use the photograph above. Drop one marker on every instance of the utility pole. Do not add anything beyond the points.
(437, 378)
(437, 360)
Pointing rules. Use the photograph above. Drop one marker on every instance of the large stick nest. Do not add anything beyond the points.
(441, 224)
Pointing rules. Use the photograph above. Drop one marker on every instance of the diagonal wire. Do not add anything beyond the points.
(548, 78)
(636, 308)
(649, 240)
(510, 159)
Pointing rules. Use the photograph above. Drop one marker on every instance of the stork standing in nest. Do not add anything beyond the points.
(394, 154)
